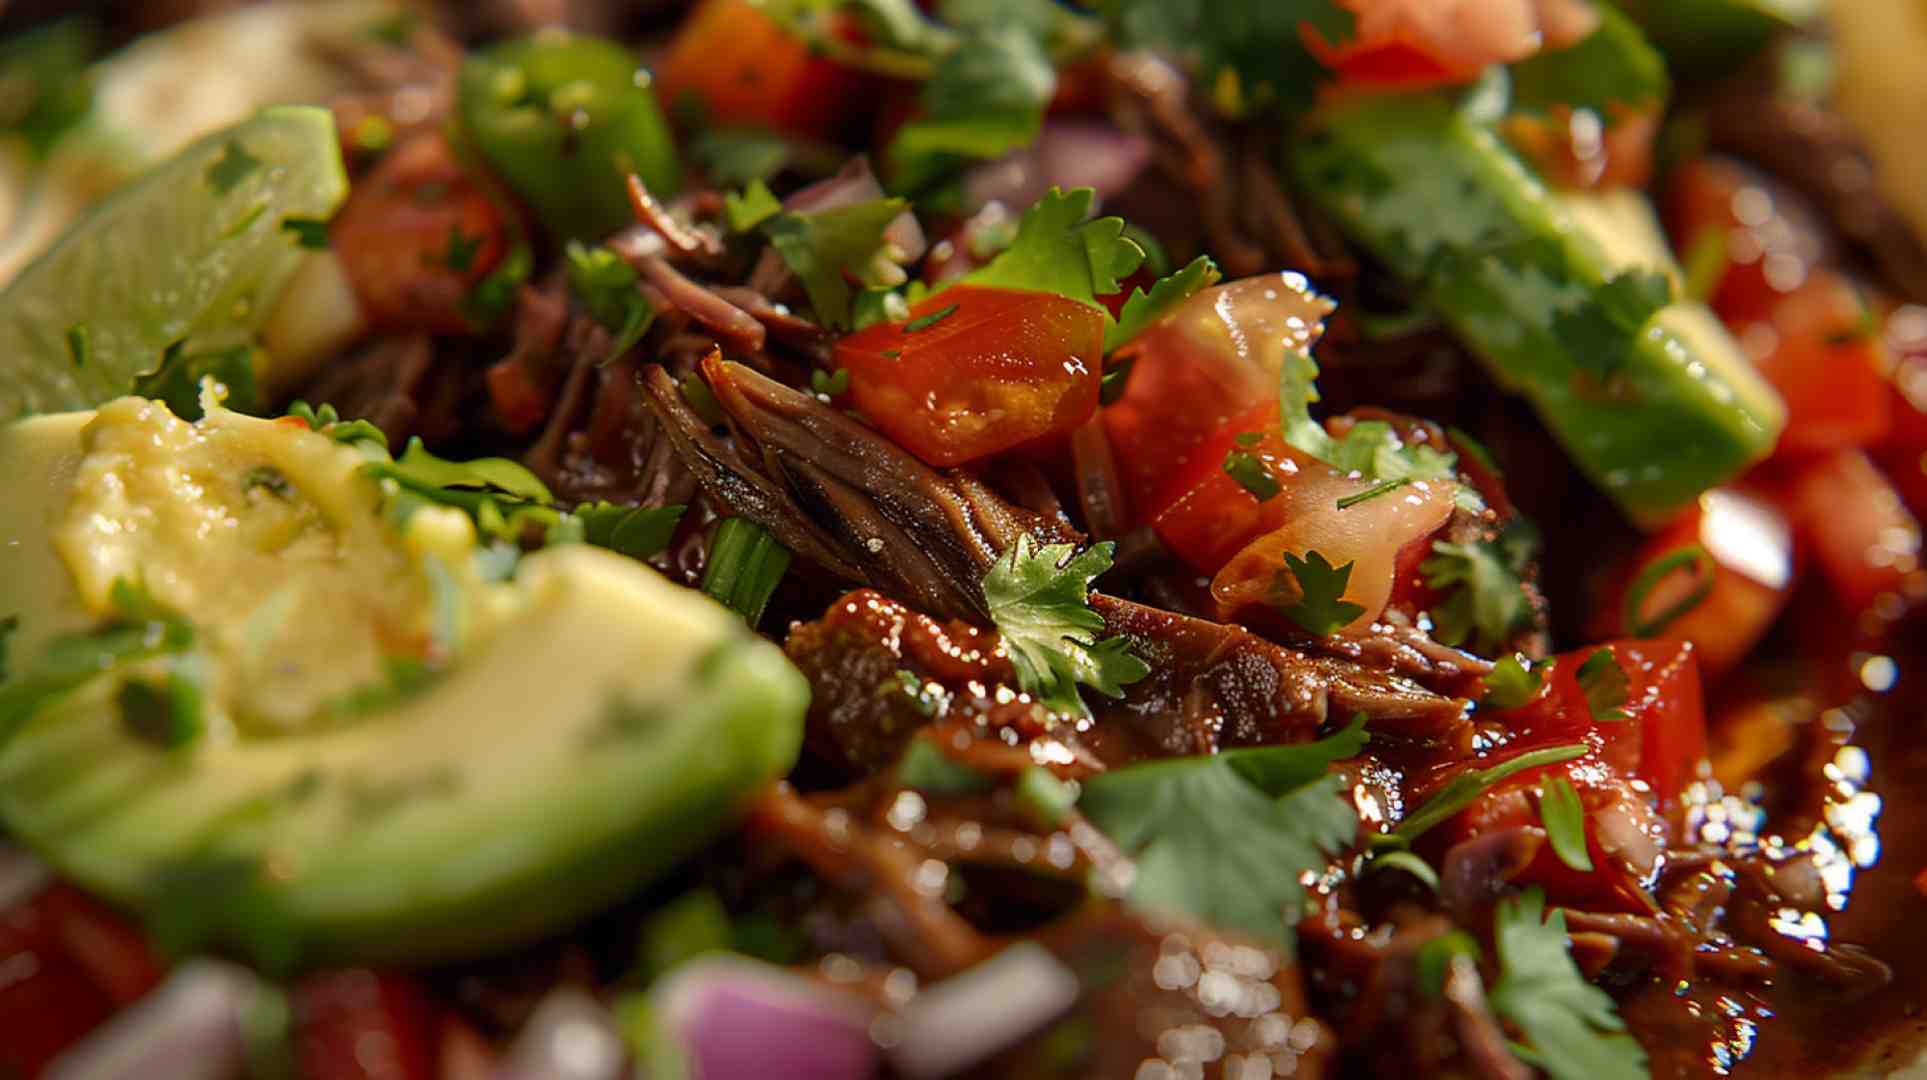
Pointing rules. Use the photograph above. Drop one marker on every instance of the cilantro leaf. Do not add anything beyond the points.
(1604, 682)
(1320, 587)
(1252, 474)
(1565, 820)
(1486, 603)
(1057, 251)
(735, 156)
(329, 422)
(1227, 839)
(1572, 1029)
(1249, 54)
(423, 472)
(1604, 330)
(1370, 448)
(636, 531)
(177, 382)
(1610, 72)
(985, 98)
(310, 233)
(607, 286)
(822, 246)
(1143, 309)
(1039, 599)
(459, 254)
(754, 206)
(1513, 682)
(1457, 793)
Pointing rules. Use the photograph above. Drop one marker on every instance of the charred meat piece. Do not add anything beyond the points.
(843, 496)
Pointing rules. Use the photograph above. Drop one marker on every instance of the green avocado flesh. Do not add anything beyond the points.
(1445, 204)
(596, 725)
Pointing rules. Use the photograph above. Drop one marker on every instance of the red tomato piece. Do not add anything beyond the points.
(1210, 516)
(1748, 573)
(112, 950)
(1860, 531)
(1817, 351)
(1770, 238)
(48, 1000)
(1411, 43)
(976, 370)
(1580, 154)
(746, 69)
(357, 1024)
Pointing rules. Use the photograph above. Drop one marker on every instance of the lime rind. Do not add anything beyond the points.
(193, 251)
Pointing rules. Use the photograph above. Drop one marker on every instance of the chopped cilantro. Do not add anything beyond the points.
(1603, 332)
(80, 345)
(1057, 250)
(1604, 682)
(751, 208)
(1571, 1027)
(423, 472)
(170, 712)
(1513, 683)
(1039, 599)
(1485, 605)
(1110, 389)
(925, 322)
(310, 233)
(925, 767)
(985, 98)
(608, 288)
(1565, 820)
(830, 384)
(1399, 859)
(1250, 55)
(1319, 607)
(1370, 448)
(1252, 474)
(233, 166)
(141, 629)
(1611, 72)
(329, 422)
(1458, 793)
(1229, 838)
(823, 246)
(1143, 309)
(8, 626)
(459, 254)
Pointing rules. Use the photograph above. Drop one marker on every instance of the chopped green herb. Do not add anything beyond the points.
(1565, 820)
(694, 924)
(1115, 381)
(1400, 859)
(1572, 1029)
(494, 295)
(1144, 309)
(825, 247)
(233, 166)
(1370, 448)
(1436, 957)
(1318, 606)
(1044, 799)
(1371, 493)
(1513, 683)
(1605, 685)
(745, 565)
(751, 208)
(266, 478)
(985, 97)
(1485, 599)
(925, 767)
(141, 630)
(1612, 73)
(80, 346)
(1228, 839)
(459, 255)
(830, 384)
(310, 233)
(1252, 474)
(1458, 793)
(424, 473)
(177, 381)
(608, 288)
(1250, 56)
(168, 713)
(1039, 599)
(702, 401)
(737, 156)
(1058, 251)
(1603, 334)
(922, 323)
(1692, 558)
(328, 422)
(636, 531)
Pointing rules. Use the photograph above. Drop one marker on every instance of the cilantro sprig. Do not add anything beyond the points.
(141, 629)
(824, 247)
(1459, 792)
(1611, 72)
(1318, 590)
(1039, 599)
(1229, 838)
(1249, 55)
(1514, 682)
(608, 288)
(1605, 685)
(1571, 1028)
(1485, 603)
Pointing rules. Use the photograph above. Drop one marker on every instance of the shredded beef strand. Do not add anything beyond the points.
(691, 243)
(1100, 490)
(736, 329)
(1480, 1036)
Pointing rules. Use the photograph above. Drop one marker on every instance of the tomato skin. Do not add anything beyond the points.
(747, 70)
(1005, 368)
(357, 1024)
(48, 1001)
(401, 225)
(111, 949)
(1207, 517)
(1831, 372)
(1755, 565)
(1862, 535)
(1770, 238)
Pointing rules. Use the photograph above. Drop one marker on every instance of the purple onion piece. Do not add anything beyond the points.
(740, 1018)
(1068, 154)
(570, 1037)
(190, 1028)
(959, 1022)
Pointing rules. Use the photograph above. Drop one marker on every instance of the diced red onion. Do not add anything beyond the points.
(966, 1018)
(1068, 154)
(21, 875)
(739, 1018)
(190, 1028)
(570, 1037)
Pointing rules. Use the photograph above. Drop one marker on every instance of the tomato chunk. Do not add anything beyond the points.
(48, 1000)
(416, 236)
(1769, 239)
(744, 68)
(1744, 578)
(357, 1024)
(1817, 351)
(1862, 535)
(976, 370)
(1411, 43)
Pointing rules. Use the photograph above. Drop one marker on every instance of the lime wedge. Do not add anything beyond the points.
(194, 251)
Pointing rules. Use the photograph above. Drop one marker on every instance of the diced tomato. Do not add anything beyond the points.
(1747, 573)
(111, 949)
(1583, 154)
(357, 1024)
(1859, 529)
(1202, 375)
(48, 999)
(416, 235)
(975, 371)
(1412, 43)
(1770, 239)
(1630, 781)
(1208, 515)
(744, 68)
(1817, 350)
(520, 402)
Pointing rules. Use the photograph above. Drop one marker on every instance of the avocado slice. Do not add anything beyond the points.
(586, 725)
(1430, 189)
